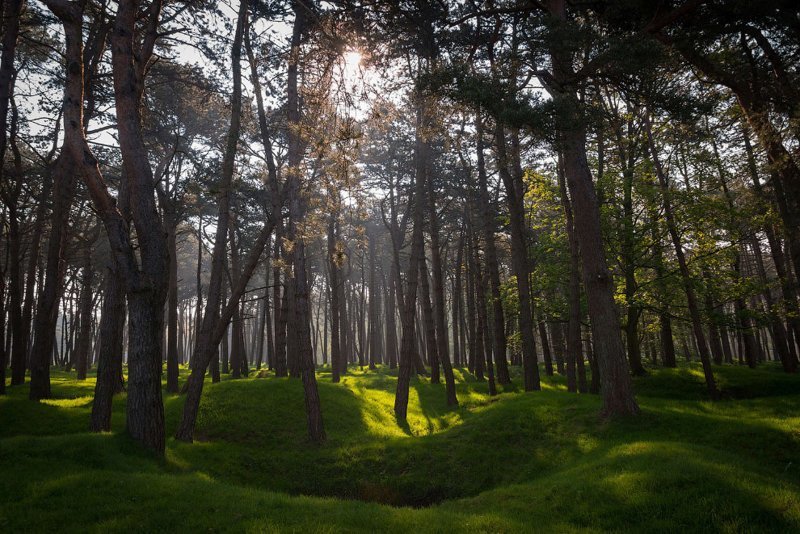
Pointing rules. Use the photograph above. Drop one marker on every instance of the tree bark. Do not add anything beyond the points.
(334, 259)
(172, 302)
(299, 330)
(109, 358)
(617, 389)
(47, 305)
(574, 295)
(515, 195)
(85, 334)
(408, 314)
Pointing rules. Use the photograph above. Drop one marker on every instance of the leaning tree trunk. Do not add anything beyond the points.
(788, 291)
(694, 310)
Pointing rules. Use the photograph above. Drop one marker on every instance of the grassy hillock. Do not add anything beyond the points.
(518, 462)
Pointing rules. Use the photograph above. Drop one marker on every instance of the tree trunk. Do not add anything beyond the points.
(431, 347)
(515, 195)
(487, 222)
(299, 331)
(334, 260)
(374, 305)
(574, 296)
(408, 338)
(85, 335)
(3, 352)
(617, 389)
(694, 310)
(484, 334)
(109, 356)
(47, 305)
(172, 303)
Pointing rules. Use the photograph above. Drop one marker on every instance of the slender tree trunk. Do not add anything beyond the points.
(391, 321)
(85, 335)
(431, 347)
(484, 334)
(172, 303)
(47, 305)
(478, 350)
(299, 330)
(574, 297)
(334, 260)
(515, 195)
(487, 221)
(617, 389)
(694, 310)
(215, 322)
(237, 346)
(3, 352)
(374, 306)
(408, 337)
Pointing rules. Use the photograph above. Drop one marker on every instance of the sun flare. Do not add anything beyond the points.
(352, 59)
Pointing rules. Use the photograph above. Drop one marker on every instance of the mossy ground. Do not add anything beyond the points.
(541, 461)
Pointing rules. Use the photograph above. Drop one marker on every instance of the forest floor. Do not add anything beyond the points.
(542, 461)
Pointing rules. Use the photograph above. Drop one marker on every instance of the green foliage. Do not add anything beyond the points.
(513, 463)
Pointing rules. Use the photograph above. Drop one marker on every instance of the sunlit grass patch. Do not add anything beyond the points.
(516, 462)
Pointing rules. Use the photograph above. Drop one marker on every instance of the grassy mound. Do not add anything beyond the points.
(517, 462)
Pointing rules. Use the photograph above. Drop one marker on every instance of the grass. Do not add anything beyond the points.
(542, 461)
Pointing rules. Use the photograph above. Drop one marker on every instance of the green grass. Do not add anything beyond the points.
(542, 461)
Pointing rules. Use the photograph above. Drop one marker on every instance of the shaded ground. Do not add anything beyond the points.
(542, 461)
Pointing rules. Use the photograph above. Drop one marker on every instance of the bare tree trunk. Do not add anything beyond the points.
(574, 297)
(515, 193)
(85, 335)
(431, 347)
(299, 329)
(391, 320)
(215, 322)
(172, 303)
(694, 310)
(665, 321)
(439, 311)
(374, 305)
(47, 305)
(33, 258)
(109, 357)
(334, 260)
(483, 323)
(478, 349)
(617, 389)
(487, 222)
(3, 352)
(456, 303)
(408, 338)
